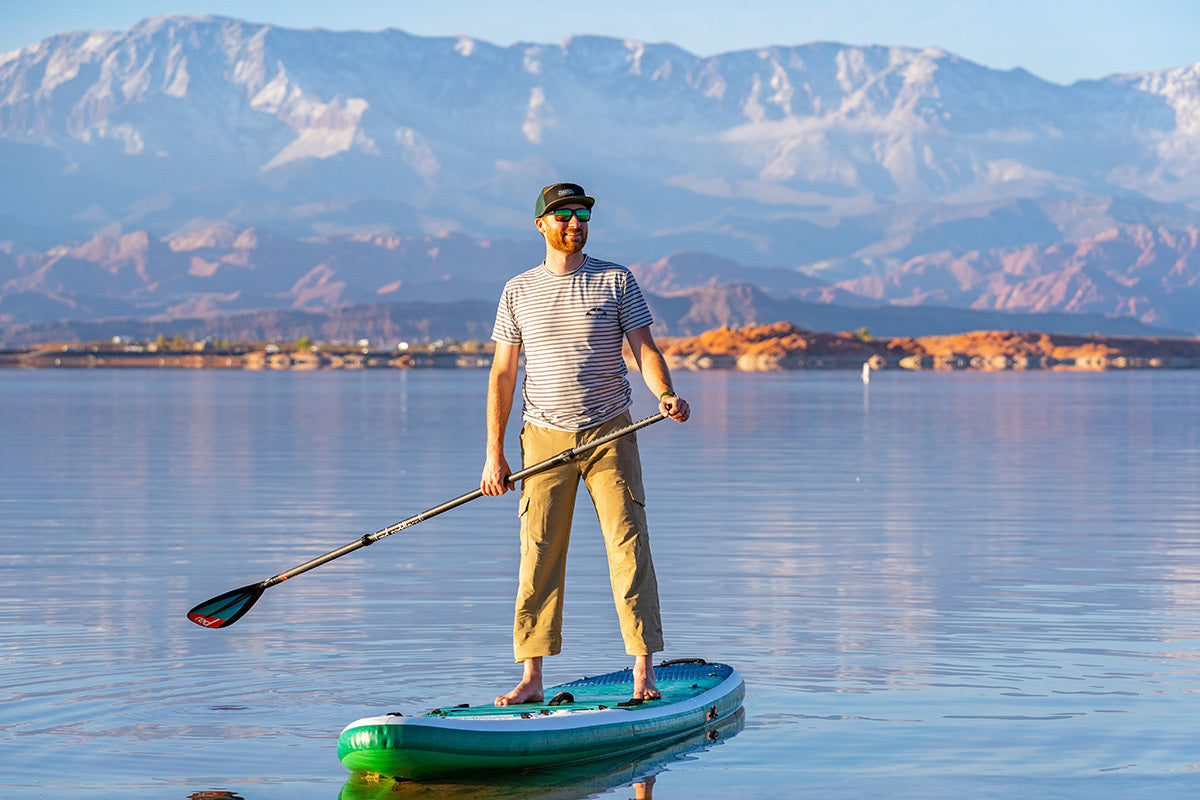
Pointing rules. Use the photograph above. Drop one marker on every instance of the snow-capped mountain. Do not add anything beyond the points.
(839, 161)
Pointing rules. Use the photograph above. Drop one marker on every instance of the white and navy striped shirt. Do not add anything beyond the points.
(572, 327)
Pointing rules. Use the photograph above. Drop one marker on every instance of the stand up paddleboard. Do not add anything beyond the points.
(587, 719)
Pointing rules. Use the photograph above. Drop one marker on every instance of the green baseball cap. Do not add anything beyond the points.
(561, 194)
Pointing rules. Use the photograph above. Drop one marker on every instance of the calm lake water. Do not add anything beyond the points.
(943, 585)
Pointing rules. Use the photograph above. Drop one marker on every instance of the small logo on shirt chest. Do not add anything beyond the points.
(597, 313)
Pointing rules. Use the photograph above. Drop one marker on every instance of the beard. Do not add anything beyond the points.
(569, 240)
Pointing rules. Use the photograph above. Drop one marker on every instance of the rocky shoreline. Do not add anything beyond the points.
(783, 346)
(758, 348)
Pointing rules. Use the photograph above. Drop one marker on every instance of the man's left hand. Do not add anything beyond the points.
(675, 407)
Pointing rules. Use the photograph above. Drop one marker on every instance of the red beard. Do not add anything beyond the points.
(568, 239)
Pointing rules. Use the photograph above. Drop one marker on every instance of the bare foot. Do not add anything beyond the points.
(524, 693)
(529, 690)
(644, 687)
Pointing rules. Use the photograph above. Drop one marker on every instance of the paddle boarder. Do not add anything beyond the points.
(571, 314)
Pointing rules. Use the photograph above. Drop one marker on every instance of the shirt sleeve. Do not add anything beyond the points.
(505, 329)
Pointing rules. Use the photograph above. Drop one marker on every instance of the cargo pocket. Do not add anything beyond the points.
(632, 490)
(522, 512)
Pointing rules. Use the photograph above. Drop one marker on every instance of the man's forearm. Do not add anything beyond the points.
(499, 405)
(655, 372)
(502, 383)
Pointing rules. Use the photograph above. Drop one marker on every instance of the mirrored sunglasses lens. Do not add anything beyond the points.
(564, 214)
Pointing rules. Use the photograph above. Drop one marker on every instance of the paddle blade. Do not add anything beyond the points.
(226, 609)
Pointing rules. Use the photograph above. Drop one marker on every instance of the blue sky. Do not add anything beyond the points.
(1059, 40)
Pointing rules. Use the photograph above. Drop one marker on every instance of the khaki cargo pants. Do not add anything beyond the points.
(613, 476)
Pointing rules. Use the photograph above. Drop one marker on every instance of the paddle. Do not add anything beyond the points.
(226, 609)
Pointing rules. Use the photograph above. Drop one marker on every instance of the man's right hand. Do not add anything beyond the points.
(495, 476)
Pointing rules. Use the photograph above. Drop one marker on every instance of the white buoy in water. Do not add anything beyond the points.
(866, 372)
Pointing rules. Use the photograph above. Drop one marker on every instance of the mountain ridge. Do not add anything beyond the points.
(1146, 274)
(677, 314)
(793, 115)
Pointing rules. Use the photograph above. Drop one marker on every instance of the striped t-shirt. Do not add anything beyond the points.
(572, 327)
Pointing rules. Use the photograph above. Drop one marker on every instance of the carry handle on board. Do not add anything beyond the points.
(226, 609)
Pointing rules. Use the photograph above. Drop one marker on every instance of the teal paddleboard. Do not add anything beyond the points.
(590, 718)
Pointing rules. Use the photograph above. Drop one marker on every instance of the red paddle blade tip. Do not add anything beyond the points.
(207, 622)
(225, 609)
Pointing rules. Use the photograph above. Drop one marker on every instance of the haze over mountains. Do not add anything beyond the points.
(198, 166)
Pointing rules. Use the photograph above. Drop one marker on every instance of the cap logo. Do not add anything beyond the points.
(565, 192)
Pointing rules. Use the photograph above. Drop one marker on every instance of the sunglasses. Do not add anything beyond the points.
(564, 214)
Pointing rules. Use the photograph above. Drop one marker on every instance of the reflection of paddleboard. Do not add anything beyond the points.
(587, 719)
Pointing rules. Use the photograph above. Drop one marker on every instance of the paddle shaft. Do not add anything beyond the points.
(554, 461)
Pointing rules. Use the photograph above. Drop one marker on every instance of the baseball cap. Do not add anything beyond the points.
(561, 194)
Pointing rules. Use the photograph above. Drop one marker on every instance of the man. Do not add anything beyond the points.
(570, 314)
